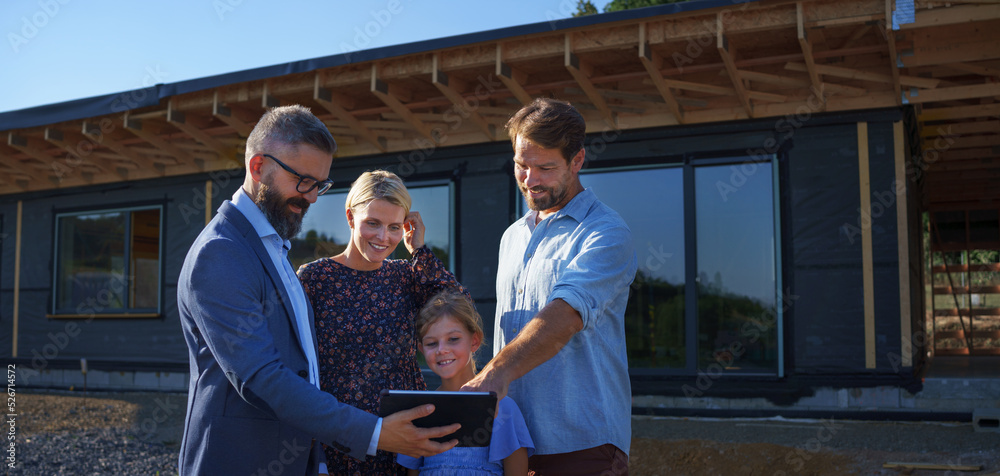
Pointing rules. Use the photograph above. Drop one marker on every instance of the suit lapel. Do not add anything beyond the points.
(247, 231)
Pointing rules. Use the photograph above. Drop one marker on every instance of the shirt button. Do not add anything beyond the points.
(520, 291)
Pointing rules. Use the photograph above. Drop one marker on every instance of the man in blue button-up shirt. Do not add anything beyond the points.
(562, 285)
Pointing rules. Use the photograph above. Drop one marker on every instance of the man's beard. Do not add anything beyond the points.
(551, 199)
(275, 208)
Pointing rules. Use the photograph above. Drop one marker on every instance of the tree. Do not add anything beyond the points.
(585, 7)
(618, 5)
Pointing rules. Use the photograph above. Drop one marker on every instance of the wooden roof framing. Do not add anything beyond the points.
(739, 61)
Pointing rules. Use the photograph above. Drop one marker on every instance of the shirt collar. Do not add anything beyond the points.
(256, 217)
(576, 208)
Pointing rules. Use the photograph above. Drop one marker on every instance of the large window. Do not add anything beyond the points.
(325, 231)
(108, 262)
(711, 226)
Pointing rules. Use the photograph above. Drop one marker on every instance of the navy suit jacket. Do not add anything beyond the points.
(251, 408)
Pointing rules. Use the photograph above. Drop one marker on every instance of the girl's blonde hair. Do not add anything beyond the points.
(454, 303)
(378, 185)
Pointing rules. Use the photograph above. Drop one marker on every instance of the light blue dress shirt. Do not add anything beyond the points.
(277, 249)
(583, 254)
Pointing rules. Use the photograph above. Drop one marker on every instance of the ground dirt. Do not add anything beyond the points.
(660, 446)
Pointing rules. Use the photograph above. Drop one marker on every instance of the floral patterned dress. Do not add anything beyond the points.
(367, 342)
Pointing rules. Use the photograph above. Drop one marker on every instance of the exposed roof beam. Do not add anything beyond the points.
(81, 153)
(17, 168)
(581, 72)
(807, 54)
(512, 78)
(225, 114)
(33, 150)
(974, 69)
(382, 91)
(325, 98)
(798, 83)
(445, 84)
(267, 100)
(890, 38)
(952, 15)
(961, 128)
(959, 112)
(135, 126)
(95, 134)
(187, 125)
(653, 63)
(729, 60)
(849, 73)
(954, 93)
(723, 91)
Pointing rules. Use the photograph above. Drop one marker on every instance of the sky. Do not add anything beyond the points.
(61, 50)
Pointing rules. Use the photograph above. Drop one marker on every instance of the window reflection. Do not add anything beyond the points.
(737, 324)
(108, 262)
(325, 231)
(651, 201)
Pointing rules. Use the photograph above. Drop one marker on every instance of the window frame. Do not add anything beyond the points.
(689, 162)
(127, 312)
(452, 213)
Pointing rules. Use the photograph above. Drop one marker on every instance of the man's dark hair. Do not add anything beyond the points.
(284, 126)
(551, 124)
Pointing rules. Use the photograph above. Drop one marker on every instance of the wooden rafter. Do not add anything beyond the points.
(961, 128)
(974, 69)
(16, 167)
(226, 114)
(135, 126)
(33, 150)
(382, 91)
(653, 63)
(786, 81)
(95, 134)
(960, 112)
(267, 100)
(79, 147)
(890, 38)
(954, 93)
(581, 72)
(807, 53)
(723, 91)
(188, 126)
(729, 60)
(325, 98)
(447, 87)
(849, 73)
(511, 77)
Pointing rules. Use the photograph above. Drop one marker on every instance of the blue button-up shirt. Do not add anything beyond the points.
(582, 254)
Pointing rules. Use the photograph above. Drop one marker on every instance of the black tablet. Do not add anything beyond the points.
(473, 410)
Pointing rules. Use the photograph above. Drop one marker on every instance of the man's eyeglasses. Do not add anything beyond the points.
(306, 183)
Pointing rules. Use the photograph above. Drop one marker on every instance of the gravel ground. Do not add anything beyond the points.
(130, 433)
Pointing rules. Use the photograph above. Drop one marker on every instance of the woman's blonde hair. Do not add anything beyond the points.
(379, 185)
(454, 303)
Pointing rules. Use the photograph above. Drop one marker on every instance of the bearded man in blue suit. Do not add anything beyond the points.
(254, 405)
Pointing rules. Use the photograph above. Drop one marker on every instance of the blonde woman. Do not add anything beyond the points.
(365, 305)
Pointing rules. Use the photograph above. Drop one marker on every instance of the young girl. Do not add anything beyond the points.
(450, 332)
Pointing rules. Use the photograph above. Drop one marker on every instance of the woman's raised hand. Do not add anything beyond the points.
(413, 237)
